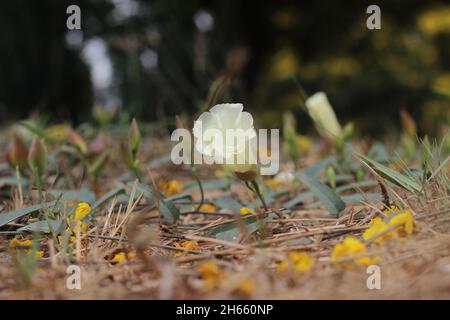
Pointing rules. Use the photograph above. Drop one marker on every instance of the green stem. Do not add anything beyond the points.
(136, 169)
(258, 193)
(200, 186)
(39, 185)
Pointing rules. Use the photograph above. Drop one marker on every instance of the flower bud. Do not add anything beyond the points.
(37, 156)
(98, 145)
(244, 172)
(408, 123)
(322, 113)
(17, 153)
(77, 140)
(134, 137)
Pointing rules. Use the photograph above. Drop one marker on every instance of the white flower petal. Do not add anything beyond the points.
(227, 114)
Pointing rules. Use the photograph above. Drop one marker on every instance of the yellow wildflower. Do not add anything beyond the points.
(405, 221)
(304, 143)
(219, 173)
(39, 254)
(206, 207)
(13, 243)
(171, 187)
(442, 83)
(245, 210)
(187, 245)
(285, 64)
(378, 227)
(84, 227)
(351, 247)
(303, 262)
(246, 287)
(211, 273)
(284, 265)
(83, 209)
(272, 183)
(435, 21)
(392, 209)
(119, 257)
(71, 239)
(298, 261)
(58, 132)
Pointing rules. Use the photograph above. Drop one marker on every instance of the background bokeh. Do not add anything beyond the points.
(155, 59)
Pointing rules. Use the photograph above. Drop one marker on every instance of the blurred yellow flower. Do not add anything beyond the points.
(39, 254)
(219, 173)
(211, 273)
(282, 266)
(378, 227)
(303, 262)
(131, 255)
(341, 66)
(284, 19)
(298, 261)
(348, 248)
(82, 210)
(284, 64)
(206, 207)
(246, 287)
(405, 221)
(392, 209)
(435, 21)
(13, 243)
(58, 132)
(272, 183)
(171, 187)
(71, 239)
(187, 245)
(84, 227)
(245, 210)
(304, 143)
(119, 257)
(123, 256)
(442, 83)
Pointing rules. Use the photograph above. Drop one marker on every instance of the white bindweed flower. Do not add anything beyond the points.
(226, 135)
(322, 113)
(285, 177)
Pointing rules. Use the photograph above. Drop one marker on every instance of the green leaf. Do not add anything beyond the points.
(166, 207)
(37, 131)
(82, 195)
(230, 231)
(12, 181)
(208, 185)
(339, 178)
(4, 166)
(42, 226)
(180, 196)
(226, 202)
(353, 198)
(107, 196)
(296, 200)
(169, 211)
(164, 159)
(318, 167)
(16, 214)
(357, 185)
(328, 197)
(378, 152)
(394, 176)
